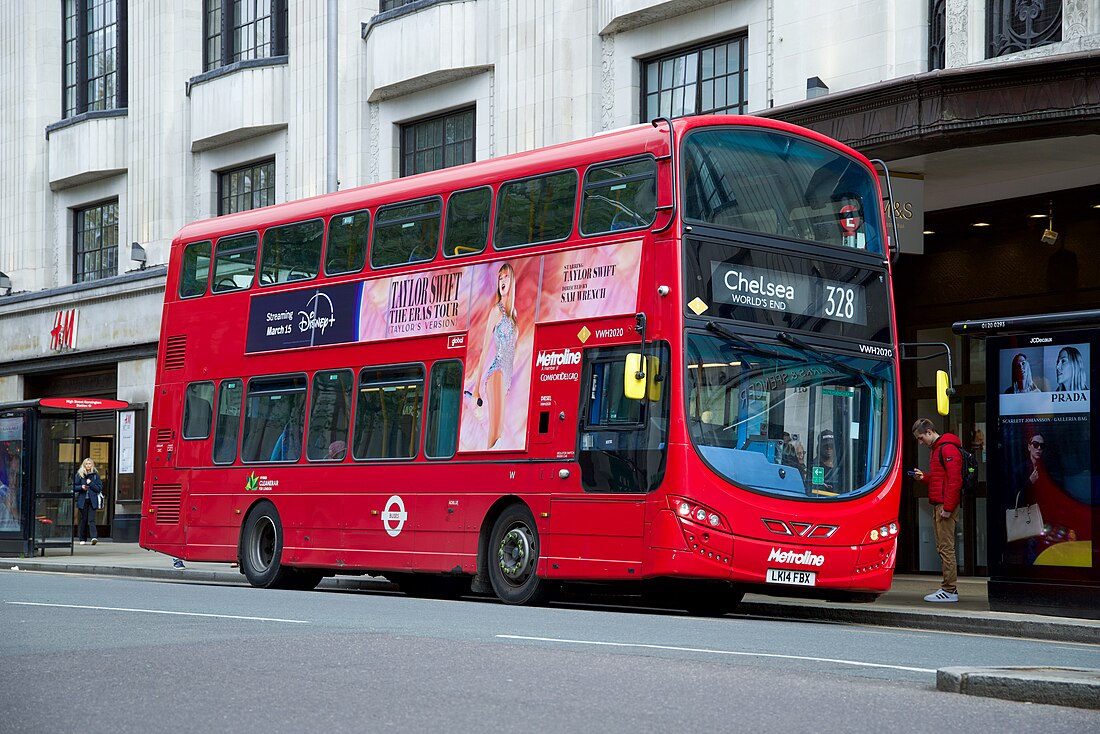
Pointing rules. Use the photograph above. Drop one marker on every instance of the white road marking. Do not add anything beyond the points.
(673, 648)
(158, 611)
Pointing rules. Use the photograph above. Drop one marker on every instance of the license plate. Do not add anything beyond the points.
(790, 576)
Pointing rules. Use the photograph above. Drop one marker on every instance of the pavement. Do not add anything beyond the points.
(902, 606)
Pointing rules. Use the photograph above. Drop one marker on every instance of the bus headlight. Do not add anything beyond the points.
(691, 510)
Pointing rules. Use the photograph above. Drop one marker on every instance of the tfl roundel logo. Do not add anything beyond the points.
(394, 516)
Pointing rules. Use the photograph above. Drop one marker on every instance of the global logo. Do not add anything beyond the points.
(394, 516)
(319, 314)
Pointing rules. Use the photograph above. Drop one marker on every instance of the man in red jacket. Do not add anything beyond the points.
(944, 480)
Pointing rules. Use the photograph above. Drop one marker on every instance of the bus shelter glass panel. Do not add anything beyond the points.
(12, 454)
(58, 459)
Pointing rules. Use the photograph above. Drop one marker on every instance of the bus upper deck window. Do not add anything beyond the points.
(776, 184)
(235, 262)
(467, 229)
(620, 195)
(534, 210)
(195, 269)
(346, 251)
(291, 252)
(406, 233)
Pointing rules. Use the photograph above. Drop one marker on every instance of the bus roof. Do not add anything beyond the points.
(619, 143)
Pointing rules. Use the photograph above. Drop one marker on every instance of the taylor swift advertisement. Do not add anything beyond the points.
(497, 382)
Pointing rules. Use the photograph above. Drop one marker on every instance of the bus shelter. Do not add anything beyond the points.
(40, 452)
(1043, 509)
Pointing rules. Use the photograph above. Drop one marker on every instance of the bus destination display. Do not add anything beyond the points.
(787, 291)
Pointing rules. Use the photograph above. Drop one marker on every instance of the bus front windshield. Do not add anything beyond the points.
(774, 183)
(789, 421)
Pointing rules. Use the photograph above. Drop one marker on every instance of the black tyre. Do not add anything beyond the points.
(513, 555)
(262, 550)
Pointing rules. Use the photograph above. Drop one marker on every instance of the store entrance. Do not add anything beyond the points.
(101, 450)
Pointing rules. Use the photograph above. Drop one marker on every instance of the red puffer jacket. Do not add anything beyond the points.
(944, 477)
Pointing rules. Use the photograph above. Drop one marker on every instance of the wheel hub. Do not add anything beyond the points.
(514, 553)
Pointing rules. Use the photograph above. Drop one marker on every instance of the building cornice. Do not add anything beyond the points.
(984, 104)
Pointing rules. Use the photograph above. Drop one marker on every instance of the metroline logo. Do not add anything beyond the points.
(558, 358)
(805, 558)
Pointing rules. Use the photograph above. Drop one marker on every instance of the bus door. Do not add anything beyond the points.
(620, 455)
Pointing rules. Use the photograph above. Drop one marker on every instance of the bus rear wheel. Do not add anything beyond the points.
(513, 556)
(262, 550)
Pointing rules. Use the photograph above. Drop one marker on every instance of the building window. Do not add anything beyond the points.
(1017, 25)
(238, 30)
(439, 142)
(937, 34)
(699, 81)
(95, 242)
(394, 4)
(250, 187)
(94, 56)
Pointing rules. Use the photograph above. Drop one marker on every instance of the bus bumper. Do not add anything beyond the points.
(859, 568)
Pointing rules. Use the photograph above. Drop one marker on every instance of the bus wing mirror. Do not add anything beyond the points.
(634, 377)
(653, 383)
(943, 389)
(640, 381)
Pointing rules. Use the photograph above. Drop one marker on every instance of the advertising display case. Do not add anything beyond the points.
(1043, 508)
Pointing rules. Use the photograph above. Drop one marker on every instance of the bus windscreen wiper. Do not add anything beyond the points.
(797, 343)
(745, 343)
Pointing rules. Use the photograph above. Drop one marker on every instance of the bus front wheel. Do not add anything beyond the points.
(262, 549)
(513, 556)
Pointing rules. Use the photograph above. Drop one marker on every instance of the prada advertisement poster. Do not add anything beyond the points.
(1044, 501)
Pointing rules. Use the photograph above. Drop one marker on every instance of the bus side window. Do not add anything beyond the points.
(467, 229)
(346, 251)
(235, 262)
(406, 233)
(228, 423)
(329, 416)
(534, 210)
(291, 252)
(387, 413)
(274, 416)
(198, 409)
(620, 195)
(444, 401)
(195, 269)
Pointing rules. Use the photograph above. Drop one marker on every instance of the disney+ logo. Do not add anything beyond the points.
(318, 315)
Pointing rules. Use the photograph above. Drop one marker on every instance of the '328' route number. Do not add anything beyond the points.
(841, 302)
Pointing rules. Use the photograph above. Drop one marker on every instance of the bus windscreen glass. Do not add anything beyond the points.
(773, 184)
(780, 421)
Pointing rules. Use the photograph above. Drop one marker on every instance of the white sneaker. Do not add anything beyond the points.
(95, 540)
(942, 595)
(82, 542)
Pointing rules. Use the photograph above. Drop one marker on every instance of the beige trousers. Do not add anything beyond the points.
(944, 530)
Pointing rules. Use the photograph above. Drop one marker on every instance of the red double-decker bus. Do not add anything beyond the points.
(663, 355)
